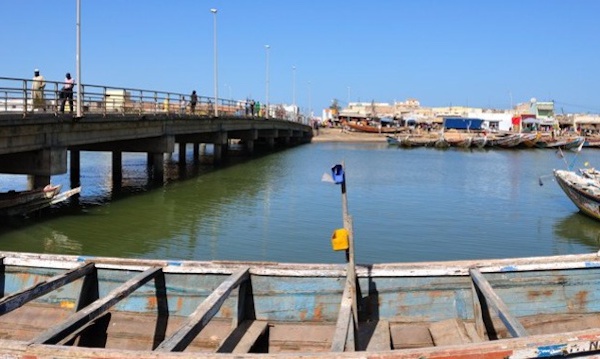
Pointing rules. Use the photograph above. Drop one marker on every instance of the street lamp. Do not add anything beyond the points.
(78, 61)
(216, 75)
(294, 90)
(309, 104)
(267, 47)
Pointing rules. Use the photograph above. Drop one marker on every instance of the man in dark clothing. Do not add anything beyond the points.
(193, 101)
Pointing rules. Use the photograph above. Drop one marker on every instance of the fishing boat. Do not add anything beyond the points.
(96, 307)
(479, 141)
(568, 142)
(583, 191)
(15, 203)
(369, 128)
(393, 141)
(509, 140)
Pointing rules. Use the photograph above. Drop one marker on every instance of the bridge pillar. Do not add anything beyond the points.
(75, 168)
(155, 162)
(220, 147)
(250, 146)
(196, 152)
(182, 152)
(117, 169)
(271, 142)
(36, 181)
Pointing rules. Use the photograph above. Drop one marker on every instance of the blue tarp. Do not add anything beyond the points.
(462, 123)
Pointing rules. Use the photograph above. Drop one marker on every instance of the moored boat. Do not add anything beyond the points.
(510, 140)
(15, 203)
(365, 127)
(583, 191)
(91, 307)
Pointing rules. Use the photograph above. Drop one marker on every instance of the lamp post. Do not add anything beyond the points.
(78, 61)
(267, 47)
(294, 91)
(216, 75)
(309, 104)
(348, 102)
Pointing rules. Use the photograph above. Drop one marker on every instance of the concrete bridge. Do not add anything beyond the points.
(35, 136)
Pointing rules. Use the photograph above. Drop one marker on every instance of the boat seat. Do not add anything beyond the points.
(453, 331)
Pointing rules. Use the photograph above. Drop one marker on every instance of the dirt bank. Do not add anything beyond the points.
(336, 135)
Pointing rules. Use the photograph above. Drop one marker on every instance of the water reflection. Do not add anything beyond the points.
(579, 228)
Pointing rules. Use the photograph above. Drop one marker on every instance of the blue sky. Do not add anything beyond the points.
(442, 52)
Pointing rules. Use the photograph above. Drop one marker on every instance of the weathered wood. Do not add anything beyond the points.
(16, 300)
(344, 322)
(243, 337)
(203, 314)
(512, 324)
(477, 313)
(89, 313)
(381, 338)
(449, 332)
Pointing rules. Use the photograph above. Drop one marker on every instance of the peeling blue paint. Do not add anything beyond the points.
(85, 258)
(174, 263)
(592, 264)
(550, 350)
(509, 269)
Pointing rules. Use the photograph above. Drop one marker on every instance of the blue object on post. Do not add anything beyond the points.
(337, 172)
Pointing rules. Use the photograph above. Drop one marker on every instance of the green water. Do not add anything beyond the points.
(407, 205)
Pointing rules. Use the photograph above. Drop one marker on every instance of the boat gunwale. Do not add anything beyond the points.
(407, 269)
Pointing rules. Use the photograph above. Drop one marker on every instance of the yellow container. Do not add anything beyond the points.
(339, 239)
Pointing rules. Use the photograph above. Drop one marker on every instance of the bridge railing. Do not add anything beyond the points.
(18, 96)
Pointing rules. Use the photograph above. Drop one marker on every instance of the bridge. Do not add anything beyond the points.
(37, 139)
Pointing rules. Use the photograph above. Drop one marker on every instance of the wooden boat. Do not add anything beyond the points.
(393, 141)
(479, 141)
(528, 140)
(23, 202)
(510, 140)
(583, 191)
(364, 127)
(570, 142)
(92, 307)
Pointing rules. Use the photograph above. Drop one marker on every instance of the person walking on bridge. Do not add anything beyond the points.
(67, 93)
(37, 87)
(193, 101)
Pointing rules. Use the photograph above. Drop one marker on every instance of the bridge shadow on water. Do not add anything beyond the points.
(136, 185)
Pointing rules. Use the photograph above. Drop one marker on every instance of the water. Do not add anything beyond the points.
(407, 205)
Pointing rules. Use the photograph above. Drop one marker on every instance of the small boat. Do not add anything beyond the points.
(14, 203)
(479, 141)
(528, 140)
(464, 142)
(393, 141)
(570, 142)
(90, 307)
(583, 191)
(364, 127)
(511, 140)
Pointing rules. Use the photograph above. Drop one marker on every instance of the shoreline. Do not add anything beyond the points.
(335, 134)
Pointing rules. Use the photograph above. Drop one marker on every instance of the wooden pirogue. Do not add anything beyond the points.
(64, 306)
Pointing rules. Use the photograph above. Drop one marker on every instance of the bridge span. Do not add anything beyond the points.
(37, 140)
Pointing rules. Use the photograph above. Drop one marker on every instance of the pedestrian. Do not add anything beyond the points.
(67, 93)
(39, 83)
(252, 103)
(182, 105)
(193, 101)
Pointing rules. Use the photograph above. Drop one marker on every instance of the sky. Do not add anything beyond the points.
(476, 53)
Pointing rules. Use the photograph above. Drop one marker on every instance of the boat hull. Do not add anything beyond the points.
(583, 192)
(146, 308)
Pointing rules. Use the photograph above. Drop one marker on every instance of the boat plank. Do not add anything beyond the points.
(515, 328)
(243, 338)
(449, 332)
(92, 311)
(381, 338)
(344, 322)
(203, 314)
(16, 300)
